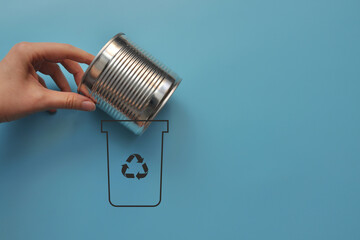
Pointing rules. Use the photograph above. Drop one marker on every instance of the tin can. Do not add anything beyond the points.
(128, 83)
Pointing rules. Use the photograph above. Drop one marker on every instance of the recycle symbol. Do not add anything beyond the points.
(139, 175)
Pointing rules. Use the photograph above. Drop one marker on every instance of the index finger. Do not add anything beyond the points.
(56, 52)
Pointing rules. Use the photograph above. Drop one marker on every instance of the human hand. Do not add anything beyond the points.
(23, 91)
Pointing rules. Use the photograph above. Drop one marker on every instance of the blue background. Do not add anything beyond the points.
(264, 129)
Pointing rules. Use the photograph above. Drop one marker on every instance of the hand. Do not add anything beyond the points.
(23, 91)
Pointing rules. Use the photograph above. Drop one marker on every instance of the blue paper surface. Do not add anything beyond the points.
(264, 128)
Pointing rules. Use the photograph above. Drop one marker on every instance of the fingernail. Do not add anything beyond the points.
(88, 106)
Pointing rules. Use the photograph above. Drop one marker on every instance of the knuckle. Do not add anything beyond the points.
(70, 101)
(21, 46)
(68, 45)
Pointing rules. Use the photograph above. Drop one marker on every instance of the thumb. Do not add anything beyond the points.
(69, 100)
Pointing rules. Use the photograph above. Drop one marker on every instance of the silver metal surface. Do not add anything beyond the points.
(127, 83)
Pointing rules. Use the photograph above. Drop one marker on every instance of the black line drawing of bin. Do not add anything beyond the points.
(134, 163)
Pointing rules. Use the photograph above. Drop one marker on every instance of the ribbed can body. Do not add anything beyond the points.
(128, 83)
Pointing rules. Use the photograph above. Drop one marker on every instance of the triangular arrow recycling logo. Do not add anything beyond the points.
(139, 175)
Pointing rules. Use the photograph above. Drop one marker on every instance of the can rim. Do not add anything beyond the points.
(161, 105)
(96, 59)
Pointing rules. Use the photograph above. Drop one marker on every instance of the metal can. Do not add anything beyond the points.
(128, 84)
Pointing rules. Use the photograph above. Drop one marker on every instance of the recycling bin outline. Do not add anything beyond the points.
(135, 157)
